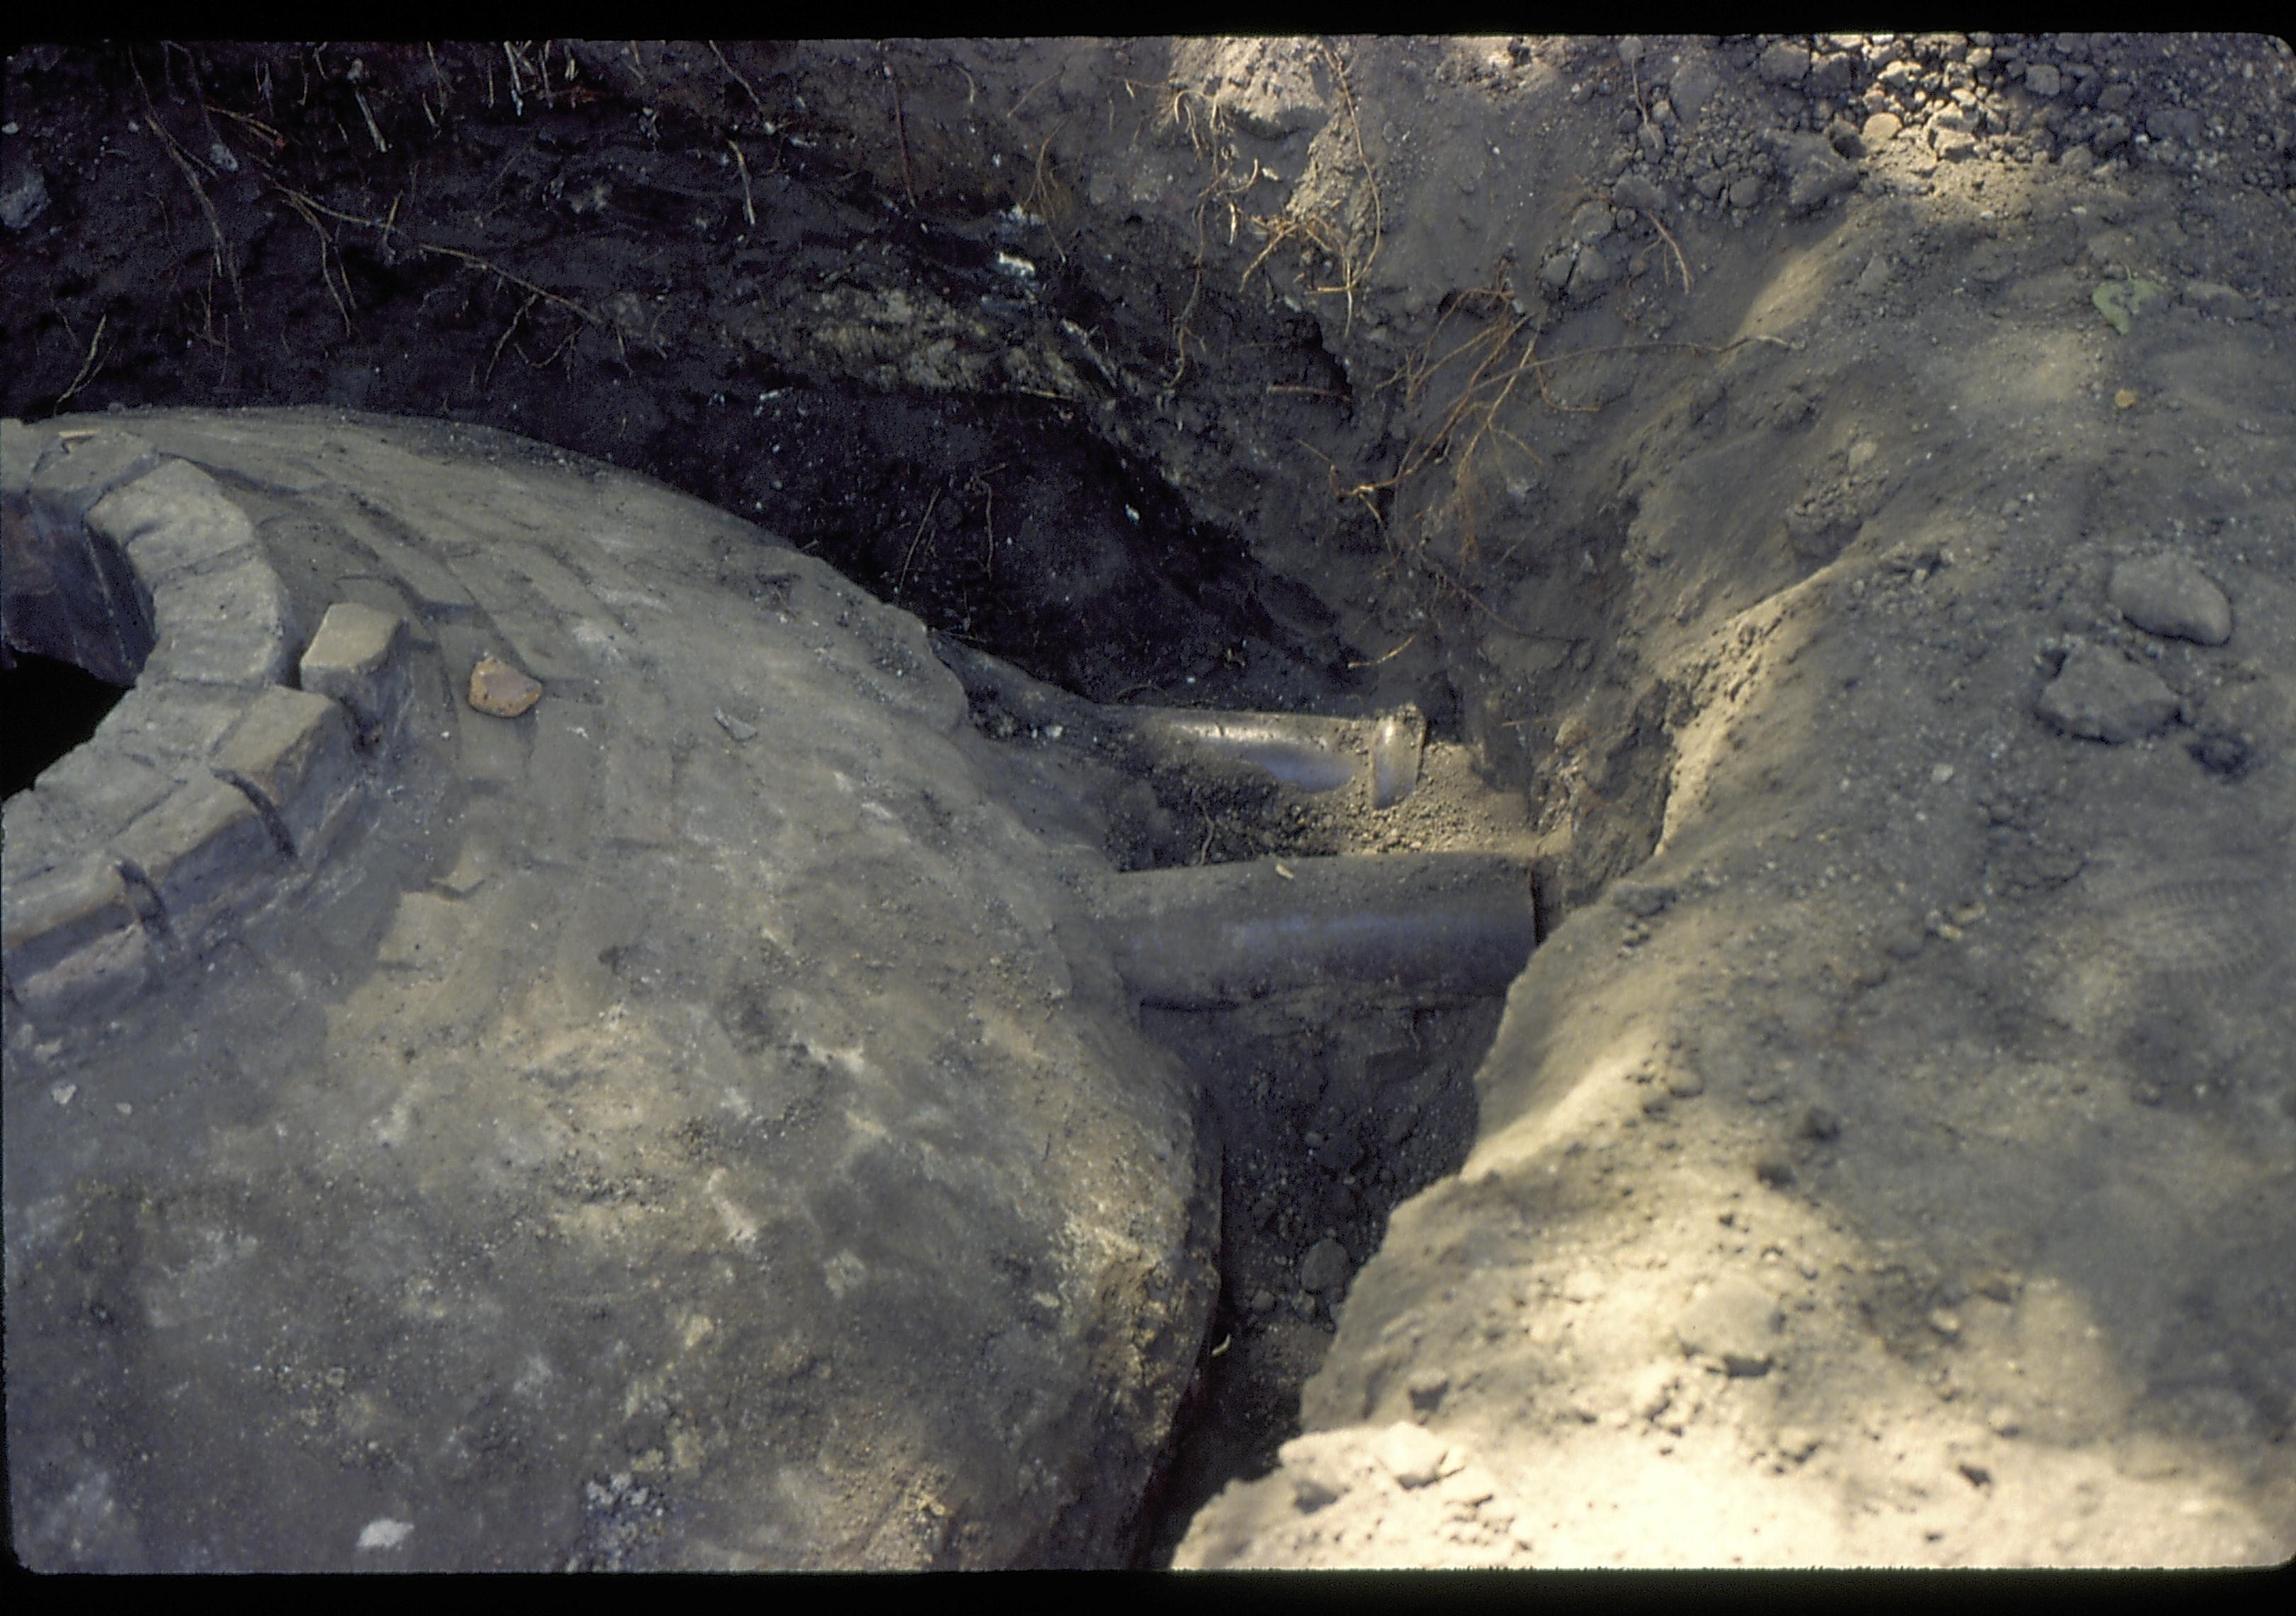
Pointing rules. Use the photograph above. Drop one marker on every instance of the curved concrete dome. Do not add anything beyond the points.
(690, 1124)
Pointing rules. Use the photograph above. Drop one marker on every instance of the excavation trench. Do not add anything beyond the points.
(745, 1111)
(1269, 692)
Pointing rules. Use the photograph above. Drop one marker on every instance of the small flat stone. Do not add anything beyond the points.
(1591, 271)
(1784, 64)
(2167, 594)
(1642, 901)
(1325, 1267)
(1819, 175)
(502, 691)
(2101, 695)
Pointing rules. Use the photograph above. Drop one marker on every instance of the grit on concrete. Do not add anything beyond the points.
(1837, 487)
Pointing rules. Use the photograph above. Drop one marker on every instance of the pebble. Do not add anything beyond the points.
(1819, 175)
(1784, 63)
(1695, 83)
(1411, 1454)
(23, 199)
(1640, 193)
(2044, 80)
(2167, 594)
(1592, 271)
(1642, 901)
(2101, 695)
(1325, 1267)
(500, 690)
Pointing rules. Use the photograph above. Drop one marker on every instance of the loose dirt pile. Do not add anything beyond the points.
(1836, 488)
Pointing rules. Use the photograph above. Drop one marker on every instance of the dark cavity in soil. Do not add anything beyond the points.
(51, 708)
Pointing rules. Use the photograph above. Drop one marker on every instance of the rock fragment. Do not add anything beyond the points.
(500, 690)
(1784, 64)
(2167, 594)
(23, 198)
(2101, 695)
(1591, 272)
(1325, 1267)
(1818, 173)
(1411, 1454)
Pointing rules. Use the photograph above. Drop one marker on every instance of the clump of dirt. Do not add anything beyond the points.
(1723, 441)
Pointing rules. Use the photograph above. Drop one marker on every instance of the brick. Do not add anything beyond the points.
(73, 940)
(39, 836)
(360, 658)
(72, 596)
(233, 627)
(171, 724)
(295, 747)
(103, 789)
(435, 588)
(55, 914)
(205, 849)
(77, 467)
(174, 520)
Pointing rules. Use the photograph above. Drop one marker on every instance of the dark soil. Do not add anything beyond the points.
(575, 267)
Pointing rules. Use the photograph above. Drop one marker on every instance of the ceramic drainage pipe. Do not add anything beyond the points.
(1298, 750)
(1301, 750)
(1428, 924)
